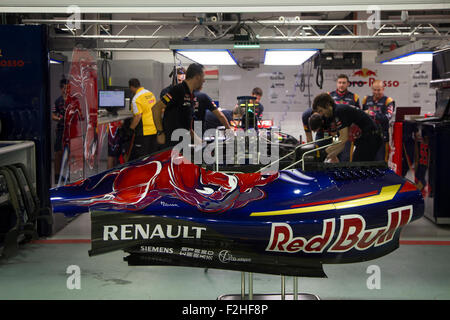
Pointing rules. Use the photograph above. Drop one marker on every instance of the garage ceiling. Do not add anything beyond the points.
(336, 25)
(203, 6)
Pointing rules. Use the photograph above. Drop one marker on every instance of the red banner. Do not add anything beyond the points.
(80, 123)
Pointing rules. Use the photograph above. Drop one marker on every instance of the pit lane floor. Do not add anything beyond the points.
(419, 269)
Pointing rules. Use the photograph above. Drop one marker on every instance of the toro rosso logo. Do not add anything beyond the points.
(352, 234)
(367, 73)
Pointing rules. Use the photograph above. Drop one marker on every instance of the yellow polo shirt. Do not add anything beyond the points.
(142, 103)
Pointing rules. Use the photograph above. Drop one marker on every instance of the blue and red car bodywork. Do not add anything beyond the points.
(165, 212)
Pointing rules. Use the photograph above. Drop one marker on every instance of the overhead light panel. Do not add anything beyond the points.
(411, 58)
(413, 53)
(247, 45)
(213, 57)
(116, 40)
(54, 61)
(288, 57)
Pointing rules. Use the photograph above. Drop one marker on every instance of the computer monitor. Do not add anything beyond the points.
(441, 65)
(111, 100)
(127, 90)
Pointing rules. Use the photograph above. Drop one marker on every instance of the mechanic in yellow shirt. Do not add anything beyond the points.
(142, 123)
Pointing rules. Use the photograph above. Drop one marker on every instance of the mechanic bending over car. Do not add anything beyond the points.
(343, 116)
(313, 122)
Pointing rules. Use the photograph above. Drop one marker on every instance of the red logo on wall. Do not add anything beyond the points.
(364, 72)
(4, 63)
(367, 73)
(11, 63)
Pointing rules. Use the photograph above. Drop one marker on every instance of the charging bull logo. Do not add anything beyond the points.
(352, 234)
(136, 187)
(364, 72)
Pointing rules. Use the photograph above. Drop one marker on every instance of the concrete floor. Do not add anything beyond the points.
(40, 271)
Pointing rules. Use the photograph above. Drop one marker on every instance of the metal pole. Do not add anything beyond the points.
(295, 288)
(216, 141)
(250, 286)
(283, 288)
(292, 152)
(440, 19)
(242, 285)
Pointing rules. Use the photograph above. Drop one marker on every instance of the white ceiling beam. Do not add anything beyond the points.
(202, 6)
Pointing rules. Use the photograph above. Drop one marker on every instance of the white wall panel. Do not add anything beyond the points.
(284, 102)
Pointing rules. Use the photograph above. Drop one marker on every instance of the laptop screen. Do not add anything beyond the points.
(401, 112)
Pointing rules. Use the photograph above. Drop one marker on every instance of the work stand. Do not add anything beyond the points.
(269, 296)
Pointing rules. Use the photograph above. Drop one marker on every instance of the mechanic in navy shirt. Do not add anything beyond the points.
(314, 122)
(211, 121)
(381, 109)
(305, 119)
(319, 129)
(366, 145)
(259, 108)
(178, 106)
(341, 95)
(202, 103)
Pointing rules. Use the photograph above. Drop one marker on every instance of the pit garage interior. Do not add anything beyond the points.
(146, 40)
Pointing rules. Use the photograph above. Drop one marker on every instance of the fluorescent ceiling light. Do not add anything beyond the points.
(53, 61)
(209, 57)
(397, 33)
(411, 58)
(246, 46)
(287, 57)
(116, 40)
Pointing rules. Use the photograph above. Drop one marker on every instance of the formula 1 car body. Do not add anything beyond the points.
(164, 211)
